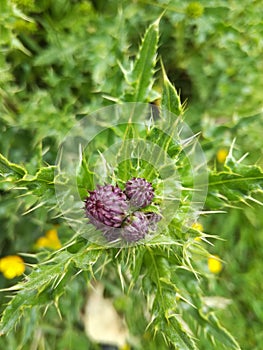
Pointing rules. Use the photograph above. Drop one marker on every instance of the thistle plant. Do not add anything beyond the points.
(136, 229)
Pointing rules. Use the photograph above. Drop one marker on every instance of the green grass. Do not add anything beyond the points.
(200, 60)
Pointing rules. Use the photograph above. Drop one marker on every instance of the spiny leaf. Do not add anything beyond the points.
(15, 310)
(85, 178)
(44, 175)
(236, 183)
(140, 77)
(10, 170)
(179, 336)
(170, 100)
(164, 305)
(45, 283)
(16, 174)
(203, 320)
(216, 331)
(170, 112)
(125, 165)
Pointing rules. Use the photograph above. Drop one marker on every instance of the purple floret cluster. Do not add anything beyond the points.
(117, 213)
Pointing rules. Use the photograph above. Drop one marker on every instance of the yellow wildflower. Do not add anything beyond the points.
(198, 226)
(12, 266)
(214, 264)
(49, 240)
(221, 155)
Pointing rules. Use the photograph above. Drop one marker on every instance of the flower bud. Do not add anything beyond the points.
(153, 218)
(140, 192)
(136, 227)
(107, 205)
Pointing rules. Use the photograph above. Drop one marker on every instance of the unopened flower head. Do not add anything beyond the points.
(107, 205)
(140, 192)
(136, 227)
(153, 219)
(116, 213)
(112, 234)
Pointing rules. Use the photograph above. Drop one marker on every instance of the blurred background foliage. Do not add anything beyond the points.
(60, 60)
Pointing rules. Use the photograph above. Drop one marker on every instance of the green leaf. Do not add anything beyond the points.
(124, 161)
(178, 335)
(16, 174)
(216, 331)
(41, 186)
(170, 100)
(14, 310)
(140, 79)
(45, 284)
(164, 305)
(202, 320)
(11, 171)
(46, 174)
(85, 178)
(236, 183)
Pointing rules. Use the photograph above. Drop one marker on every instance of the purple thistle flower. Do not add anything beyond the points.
(112, 234)
(109, 210)
(107, 205)
(140, 192)
(153, 218)
(136, 227)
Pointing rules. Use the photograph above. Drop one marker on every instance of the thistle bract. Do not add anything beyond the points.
(153, 218)
(107, 205)
(140, 192)
(135, 227)
(112, 234)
